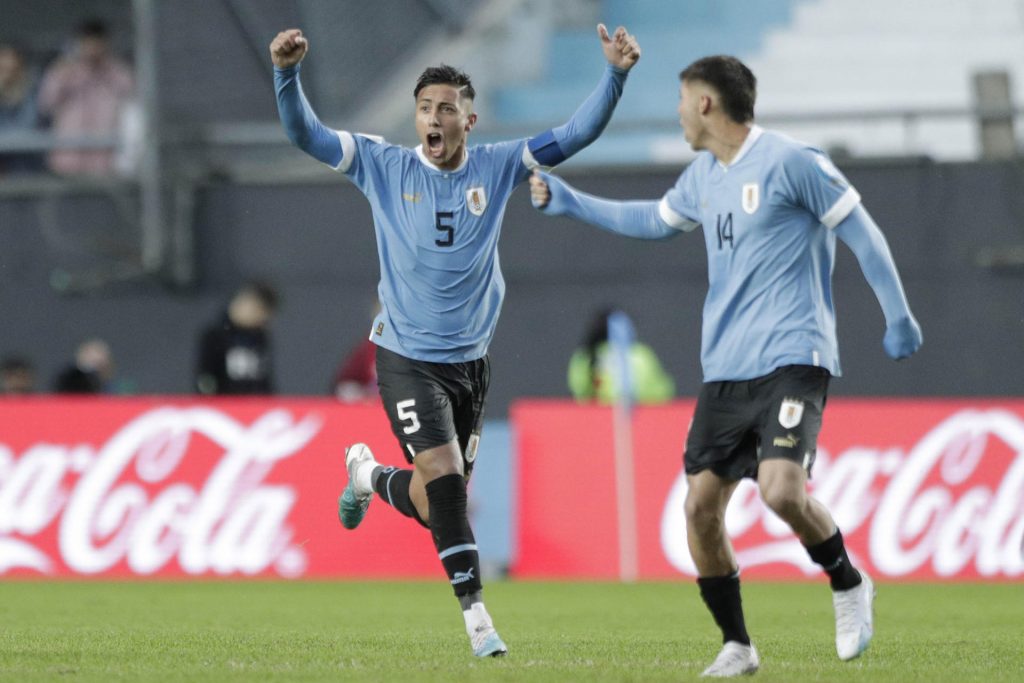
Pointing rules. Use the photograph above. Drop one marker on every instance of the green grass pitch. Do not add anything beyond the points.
(412, 632)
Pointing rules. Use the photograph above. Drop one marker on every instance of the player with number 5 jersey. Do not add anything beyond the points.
(437, 213)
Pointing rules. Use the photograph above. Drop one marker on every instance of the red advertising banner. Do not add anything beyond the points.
(922, 490)
(172, 488)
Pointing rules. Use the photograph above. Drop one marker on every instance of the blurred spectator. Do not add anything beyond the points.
(18, 113)
(234, 353)
(356, 377)
(84, 93)
(590, 368)
(17, 376)
(90, 373)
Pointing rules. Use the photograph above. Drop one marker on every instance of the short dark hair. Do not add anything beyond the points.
(445, 75)
(735, 83)
(93, 28)
(16, 364)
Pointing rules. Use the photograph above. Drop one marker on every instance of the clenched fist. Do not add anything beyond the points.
(540, 194)
(288, 48)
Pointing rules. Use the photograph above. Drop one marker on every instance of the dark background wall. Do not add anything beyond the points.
(315, 241)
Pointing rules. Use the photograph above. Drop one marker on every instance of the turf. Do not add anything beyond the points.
(413, 632)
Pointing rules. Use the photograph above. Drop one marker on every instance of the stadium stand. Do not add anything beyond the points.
(911, 92)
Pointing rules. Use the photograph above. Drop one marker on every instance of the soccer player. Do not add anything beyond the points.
(771, 209)
(437, 212)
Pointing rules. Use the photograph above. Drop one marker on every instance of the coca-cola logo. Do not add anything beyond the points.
(952, 503)
(121, 501)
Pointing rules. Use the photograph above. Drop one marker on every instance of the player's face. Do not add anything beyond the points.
(443, 120)
(689, 114)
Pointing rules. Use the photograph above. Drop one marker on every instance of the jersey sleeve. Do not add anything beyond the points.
(517, 156)
(815, 183)
(363, 159)
(680, 207)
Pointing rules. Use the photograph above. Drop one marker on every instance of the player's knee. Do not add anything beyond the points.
(439, 462)
(704, 512)
(787, 501)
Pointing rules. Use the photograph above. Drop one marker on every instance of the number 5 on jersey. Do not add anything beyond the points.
(405, 414)
(448, 229)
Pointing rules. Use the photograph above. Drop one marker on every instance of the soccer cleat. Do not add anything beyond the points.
(355, 498)
(482, 637)
(486, 642)
(735, 659)
(854, 620)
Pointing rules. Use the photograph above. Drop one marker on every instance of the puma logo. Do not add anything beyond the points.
(788, 441)
(463, 577)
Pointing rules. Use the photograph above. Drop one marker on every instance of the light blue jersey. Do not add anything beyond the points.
(768, 220)
(441, 286)
(437, 231)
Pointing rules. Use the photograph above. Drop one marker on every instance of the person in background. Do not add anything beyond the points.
(18, 112)
(591, 376)
(235, 353)
(356, 377)
(90, 373)
(83, 94)
(17, 376)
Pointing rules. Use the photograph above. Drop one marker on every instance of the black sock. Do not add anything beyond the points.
(466, 601)
(722, 596)
(452, 536)
(831, 555)
(392, 484)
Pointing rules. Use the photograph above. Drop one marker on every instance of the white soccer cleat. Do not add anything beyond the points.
(487, 643)
(854, 619)
(735, 659)
(358, 493)
(484, 640)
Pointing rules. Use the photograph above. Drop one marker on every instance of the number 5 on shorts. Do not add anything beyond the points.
(404, 415)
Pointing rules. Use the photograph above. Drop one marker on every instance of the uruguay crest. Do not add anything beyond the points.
(791, 412)
(476, 200)
(751, 197)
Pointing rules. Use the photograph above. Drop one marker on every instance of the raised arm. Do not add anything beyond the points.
(639, 219)
(301, 124)
(558, 144)
(859, 232)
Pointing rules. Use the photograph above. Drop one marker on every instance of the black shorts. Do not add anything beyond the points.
(739, 424)
(429, 404)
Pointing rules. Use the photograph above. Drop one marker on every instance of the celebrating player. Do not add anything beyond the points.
(437, 213)
(771, 209)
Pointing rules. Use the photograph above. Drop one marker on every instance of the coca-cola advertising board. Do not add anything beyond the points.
(922, 490)
(171, 488)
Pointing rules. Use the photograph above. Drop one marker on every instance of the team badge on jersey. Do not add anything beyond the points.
(751, 197)
(476, 201)
(791, 412)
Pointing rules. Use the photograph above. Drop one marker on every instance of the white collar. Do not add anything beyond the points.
(429, 164)
(752, 137)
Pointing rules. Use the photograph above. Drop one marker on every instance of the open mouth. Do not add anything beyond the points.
(435, 143)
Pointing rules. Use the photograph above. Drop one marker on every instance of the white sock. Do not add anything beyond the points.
(474, 616)
(363, 473)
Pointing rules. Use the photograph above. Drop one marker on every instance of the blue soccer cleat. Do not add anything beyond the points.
(355, 498)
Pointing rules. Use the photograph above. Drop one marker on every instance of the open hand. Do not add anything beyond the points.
(620, 49)
(288, 48)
